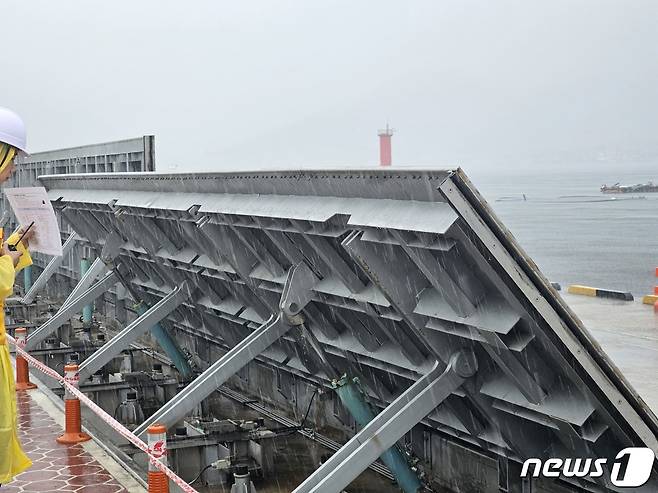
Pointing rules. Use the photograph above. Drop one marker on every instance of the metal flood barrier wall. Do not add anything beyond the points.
(401, 283)
(136, 155)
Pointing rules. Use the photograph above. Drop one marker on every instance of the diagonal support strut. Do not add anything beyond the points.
(67, 311)
(390, 425)
(50, 269)
(96, 269)
(134, 330)
(104, 263)
(296, 295)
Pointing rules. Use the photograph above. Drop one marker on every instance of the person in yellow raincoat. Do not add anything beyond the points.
(12, 458)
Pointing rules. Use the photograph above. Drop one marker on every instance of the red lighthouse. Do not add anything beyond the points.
(385, 156)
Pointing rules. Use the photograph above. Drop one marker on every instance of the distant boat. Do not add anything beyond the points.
(639, 188)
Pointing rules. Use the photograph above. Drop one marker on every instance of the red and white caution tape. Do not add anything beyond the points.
(114, 424)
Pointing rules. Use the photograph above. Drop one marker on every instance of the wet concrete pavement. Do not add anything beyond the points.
(628, 333)
(58, 467)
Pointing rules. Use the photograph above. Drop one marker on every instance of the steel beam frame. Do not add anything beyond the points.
(401, 295)
(50, 269)
(330, 256)
(256, 247)
(390, 425)
(296, 295)
(111, 250)
(515, 371)
(67, 311)
(217, 374)
(404, 303)
(241, 260)
(134, 330)
(412, 226)
(437, 276)
(96, 269)
(83, 227)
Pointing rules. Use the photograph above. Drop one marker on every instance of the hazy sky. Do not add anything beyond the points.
(231, 84)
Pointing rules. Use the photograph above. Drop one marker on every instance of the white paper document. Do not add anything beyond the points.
(32, 204)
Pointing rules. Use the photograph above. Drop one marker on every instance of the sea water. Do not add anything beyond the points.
(576, 234)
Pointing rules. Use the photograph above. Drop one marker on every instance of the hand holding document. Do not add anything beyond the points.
(25, 235)
(31, 205)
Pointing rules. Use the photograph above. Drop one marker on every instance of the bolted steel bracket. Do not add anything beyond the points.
(297, 293)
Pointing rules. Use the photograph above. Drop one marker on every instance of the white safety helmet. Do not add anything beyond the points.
(12, 130)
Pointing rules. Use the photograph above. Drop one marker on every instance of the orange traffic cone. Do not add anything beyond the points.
(22, 368)
(73, 431)
(157, 442)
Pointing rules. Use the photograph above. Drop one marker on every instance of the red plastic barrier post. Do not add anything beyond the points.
(22, 368)
(73, 430)
(158, 481)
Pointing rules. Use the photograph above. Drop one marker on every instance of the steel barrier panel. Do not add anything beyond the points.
(412, 266)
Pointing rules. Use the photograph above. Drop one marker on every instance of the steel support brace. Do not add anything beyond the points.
(87, 279)
(50, 269)
(87, 310)
(169, 344)
(215, 376)
(135, 330)
(27, 278)
(102, 264)
(66, 312)
(390, 425)
(353, 399)
(296, 295)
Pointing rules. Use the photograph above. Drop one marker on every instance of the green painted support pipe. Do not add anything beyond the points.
(168, 343)
(87, 310)
(27, 278)
(354, 400)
